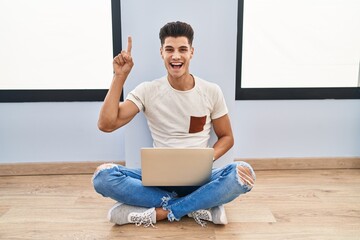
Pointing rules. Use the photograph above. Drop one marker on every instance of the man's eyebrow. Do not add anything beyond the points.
(182, 47)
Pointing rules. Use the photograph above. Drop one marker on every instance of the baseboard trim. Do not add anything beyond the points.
(302, 163)
(68, 168)
(56, 168)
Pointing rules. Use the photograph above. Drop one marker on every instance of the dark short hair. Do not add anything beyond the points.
(176, 29)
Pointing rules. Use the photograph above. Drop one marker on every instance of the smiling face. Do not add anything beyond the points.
(177, 53)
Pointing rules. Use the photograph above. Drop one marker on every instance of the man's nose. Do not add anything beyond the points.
(176, 55)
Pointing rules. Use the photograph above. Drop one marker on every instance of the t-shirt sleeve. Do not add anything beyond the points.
(220, 108)
(138, 97)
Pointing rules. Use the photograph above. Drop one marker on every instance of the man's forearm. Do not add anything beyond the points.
(222, 146)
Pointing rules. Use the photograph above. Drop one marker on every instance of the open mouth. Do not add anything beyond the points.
(176, 65)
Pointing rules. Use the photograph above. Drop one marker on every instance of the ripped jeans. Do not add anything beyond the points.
(124, 185)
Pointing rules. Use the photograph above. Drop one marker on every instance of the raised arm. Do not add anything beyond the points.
(113, 114)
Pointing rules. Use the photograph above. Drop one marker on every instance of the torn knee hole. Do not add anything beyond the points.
(245, 176)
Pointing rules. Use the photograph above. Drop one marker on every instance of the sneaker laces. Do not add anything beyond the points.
(142, 218)
(200, 215)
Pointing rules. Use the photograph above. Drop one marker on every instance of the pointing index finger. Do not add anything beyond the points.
(129, 45)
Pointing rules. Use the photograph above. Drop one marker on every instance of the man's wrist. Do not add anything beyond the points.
(120, 77)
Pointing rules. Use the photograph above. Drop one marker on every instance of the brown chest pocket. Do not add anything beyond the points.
(197, 124)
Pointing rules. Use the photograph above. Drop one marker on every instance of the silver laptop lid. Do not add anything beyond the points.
(176, 166)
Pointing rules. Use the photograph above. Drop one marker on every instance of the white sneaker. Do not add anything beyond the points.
(217, 215)
(122, 214)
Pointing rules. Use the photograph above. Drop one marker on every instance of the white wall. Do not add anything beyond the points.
(55, 132)
(214, 55)
(45, 132)
(297, 128)
(308, 128)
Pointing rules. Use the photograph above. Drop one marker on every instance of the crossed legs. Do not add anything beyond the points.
(124, 185)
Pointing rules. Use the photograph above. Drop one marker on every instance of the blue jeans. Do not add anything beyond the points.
(124, 185)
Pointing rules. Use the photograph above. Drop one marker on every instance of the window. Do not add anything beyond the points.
(49, 53)
(293, 49)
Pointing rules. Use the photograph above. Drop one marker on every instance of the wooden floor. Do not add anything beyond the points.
(287, 204)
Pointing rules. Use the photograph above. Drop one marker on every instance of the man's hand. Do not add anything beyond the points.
(123, 62)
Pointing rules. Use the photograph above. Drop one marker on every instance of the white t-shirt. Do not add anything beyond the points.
(179, 118)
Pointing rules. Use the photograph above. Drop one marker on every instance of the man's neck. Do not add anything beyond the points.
(183, 83)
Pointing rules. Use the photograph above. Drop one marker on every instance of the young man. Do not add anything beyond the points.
(181, 109)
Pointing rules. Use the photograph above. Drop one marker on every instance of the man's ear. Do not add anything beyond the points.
(192, 52)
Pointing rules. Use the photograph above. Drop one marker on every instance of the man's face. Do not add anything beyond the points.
(177, 53)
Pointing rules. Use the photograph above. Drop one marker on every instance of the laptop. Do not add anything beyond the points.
(176, 166)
